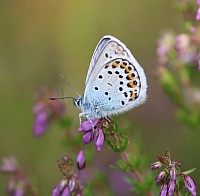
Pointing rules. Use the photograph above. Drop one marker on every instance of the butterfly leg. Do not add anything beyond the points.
(90, 119)
(80, 116)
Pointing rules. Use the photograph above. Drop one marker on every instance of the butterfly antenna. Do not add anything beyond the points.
(60, 98)
(68, 84)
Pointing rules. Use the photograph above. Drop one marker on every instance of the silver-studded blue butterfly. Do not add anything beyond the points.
(115, 81)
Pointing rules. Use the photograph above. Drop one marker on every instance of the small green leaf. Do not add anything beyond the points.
(189, 171)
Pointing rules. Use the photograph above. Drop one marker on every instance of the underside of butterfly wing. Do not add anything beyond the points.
(116, 84)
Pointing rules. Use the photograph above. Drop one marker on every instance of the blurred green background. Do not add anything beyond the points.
(41, 39)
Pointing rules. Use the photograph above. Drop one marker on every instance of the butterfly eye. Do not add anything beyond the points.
(78, 101)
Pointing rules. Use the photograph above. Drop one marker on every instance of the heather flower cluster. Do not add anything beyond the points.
(179, 66)
(93, 132)
(70, 184)
(46, 111)
(170, 178)
(100, 130)
(18, 184)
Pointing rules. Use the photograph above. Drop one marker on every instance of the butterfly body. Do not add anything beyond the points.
(115, 81)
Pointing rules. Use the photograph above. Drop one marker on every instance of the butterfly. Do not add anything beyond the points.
(115, 81)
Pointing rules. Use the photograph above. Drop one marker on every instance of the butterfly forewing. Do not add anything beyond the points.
(116, 82)
(96, 54)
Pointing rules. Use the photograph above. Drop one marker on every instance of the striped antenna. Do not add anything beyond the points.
(60, 98)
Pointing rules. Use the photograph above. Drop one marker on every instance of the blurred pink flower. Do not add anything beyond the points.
(46, 110)
(198, 14)
(9, 165)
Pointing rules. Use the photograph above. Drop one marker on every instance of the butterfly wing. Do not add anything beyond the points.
(96, 54)
(115, 81)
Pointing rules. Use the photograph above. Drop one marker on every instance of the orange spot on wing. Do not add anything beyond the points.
(131, 84)
(122, 65)
(115, 65)
(127, 70)
(130, 77)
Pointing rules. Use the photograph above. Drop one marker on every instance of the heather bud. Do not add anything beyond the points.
(190, 185)
(173, 174)
(160, 177)
(99, 140)
(163, 191)
(72, 185)
(60, 187)
(88, 125)
(87, 137)
(171, 189)
(155, 165)
(80, 160)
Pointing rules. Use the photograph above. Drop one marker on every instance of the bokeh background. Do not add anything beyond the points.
(41, 39)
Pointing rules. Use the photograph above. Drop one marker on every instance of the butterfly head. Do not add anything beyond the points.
(78, 101)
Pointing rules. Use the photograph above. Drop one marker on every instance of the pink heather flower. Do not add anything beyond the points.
(199, 65)
(155, 165)
(87, 137)
(190, 185)
(15, 188)
(173, 174)
(88, 125)
(45, 111)
(171, 189)
(193, 29)
(92, 133)
(160, 177)
(100, 140)
(163, 191)
(186, 53)
(66, 192)
(41, 123)
(59, 188)
(165, 43)
(9, 165)
(72, 185)
(198, 2)
(198, 14)
(182, 44)
(80, 160)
